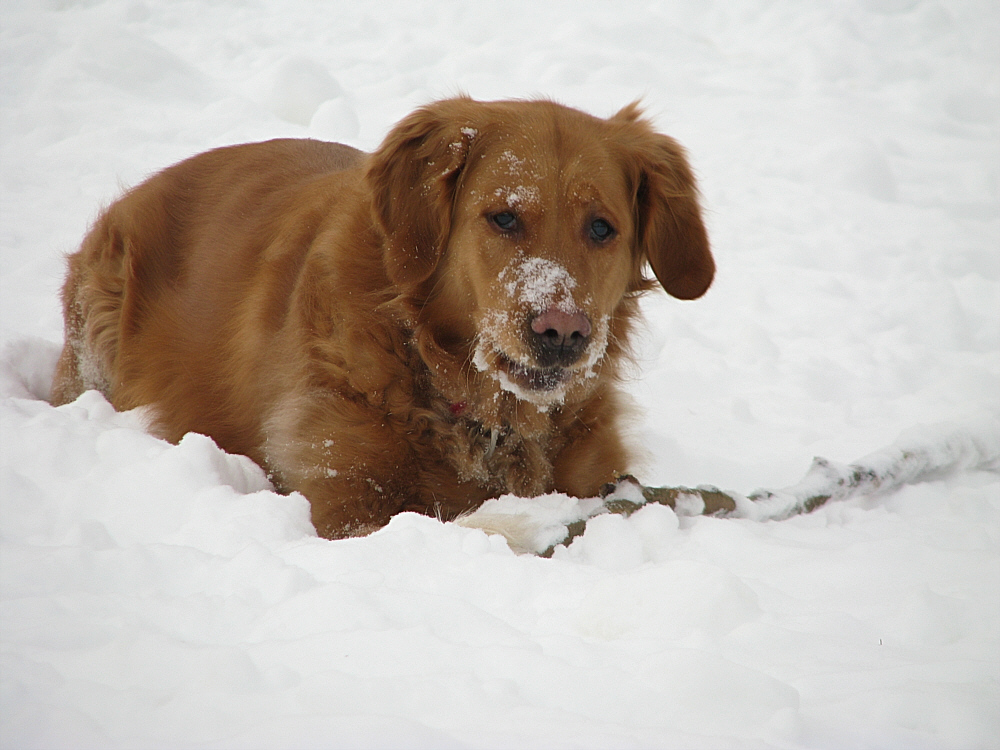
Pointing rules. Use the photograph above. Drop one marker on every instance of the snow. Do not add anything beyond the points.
(539, 283)
(163, 596)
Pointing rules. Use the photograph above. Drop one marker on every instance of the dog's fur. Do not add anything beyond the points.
(421, 328)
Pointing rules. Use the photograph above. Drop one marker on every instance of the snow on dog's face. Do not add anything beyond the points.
(542, 243)
(546, 219)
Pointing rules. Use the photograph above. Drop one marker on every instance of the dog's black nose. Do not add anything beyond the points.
(559, 337)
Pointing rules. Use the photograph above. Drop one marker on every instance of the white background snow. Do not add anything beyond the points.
(161, 596)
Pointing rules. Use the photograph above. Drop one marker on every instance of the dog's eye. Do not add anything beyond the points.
(505, 221)
(601, 231)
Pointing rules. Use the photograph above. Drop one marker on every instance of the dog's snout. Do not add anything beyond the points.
(559, 337)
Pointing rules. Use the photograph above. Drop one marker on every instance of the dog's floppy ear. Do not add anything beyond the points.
(413, 176)
(669, 228)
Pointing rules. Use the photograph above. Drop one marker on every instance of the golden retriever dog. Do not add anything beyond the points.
(418, 329)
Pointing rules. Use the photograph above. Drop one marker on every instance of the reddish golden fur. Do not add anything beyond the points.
(352, 321)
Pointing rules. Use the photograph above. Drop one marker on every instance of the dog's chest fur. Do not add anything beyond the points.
(499, 458)
(494, 441)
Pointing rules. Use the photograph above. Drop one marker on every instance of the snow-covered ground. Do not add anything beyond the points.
(161, 596)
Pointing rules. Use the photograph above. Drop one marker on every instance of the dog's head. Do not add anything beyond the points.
(522, 230)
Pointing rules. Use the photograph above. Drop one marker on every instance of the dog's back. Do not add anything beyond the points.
(156, 298)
